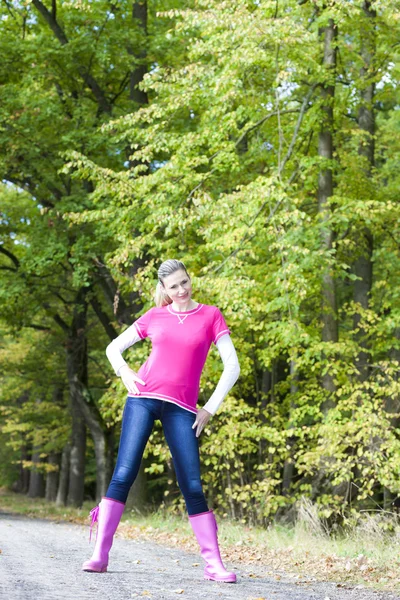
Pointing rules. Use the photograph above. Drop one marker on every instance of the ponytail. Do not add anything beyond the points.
(161, 297)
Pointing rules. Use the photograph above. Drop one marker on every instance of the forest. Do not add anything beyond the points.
(257, 141)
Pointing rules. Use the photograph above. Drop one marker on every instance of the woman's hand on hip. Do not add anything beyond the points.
(129, 379)
(202, 418)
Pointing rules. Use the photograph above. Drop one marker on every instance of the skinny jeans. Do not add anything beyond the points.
(137, 424)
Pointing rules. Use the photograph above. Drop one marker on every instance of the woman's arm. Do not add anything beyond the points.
(228, 378)
(229, 375)
(114, 350)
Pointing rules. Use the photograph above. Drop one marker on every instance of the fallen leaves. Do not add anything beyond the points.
(326, 567)
(148, 593)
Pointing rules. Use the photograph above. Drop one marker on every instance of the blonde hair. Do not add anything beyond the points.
(168, 267)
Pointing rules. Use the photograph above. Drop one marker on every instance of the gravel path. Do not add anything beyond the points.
(41, 560)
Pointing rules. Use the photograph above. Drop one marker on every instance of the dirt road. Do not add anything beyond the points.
(41, 560)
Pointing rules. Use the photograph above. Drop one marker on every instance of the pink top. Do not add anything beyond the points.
(180, 344)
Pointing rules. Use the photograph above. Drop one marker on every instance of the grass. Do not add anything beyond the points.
(367, 554)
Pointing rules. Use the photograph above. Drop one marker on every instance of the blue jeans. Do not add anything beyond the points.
(137, 424)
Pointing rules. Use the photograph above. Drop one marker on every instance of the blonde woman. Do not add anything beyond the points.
(166, 387)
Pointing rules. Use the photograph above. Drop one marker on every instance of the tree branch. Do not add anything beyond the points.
(51, 21)
(67, 302)
(122, 87)
(90, 81)
(10, 10)
(261, 122)
(247, 237)
(11, 256)
(38, 327)
(109, 287)
(100, 368)
(297, 128)
(237, 144)
(64, 326)
(103, 318)
(100, 31)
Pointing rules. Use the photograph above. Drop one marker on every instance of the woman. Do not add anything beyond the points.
(166, 388)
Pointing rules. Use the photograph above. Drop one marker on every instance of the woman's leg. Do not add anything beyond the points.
(107, 515)
(137, 423)
(183, 444)
(205, 529)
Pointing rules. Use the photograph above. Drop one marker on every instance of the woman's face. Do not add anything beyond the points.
(178, 287)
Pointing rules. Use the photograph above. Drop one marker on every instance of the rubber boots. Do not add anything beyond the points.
(107, 515)
(205, 529)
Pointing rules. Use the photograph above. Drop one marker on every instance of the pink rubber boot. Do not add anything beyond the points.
(107, 515)
(205, 529)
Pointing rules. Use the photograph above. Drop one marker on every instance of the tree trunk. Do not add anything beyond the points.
(112, 295)
(52, 477)
(137, 96)
(36, 481)
(22, 485)
(77, 457)
(288, 469)
(110, 436)
(139, 15)
(268, 381)
(24, 474)
(79, 392)
(325, 191)
(392, 408)
(366, 122)
(62, 492)
(136, 500)
(362, 288)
